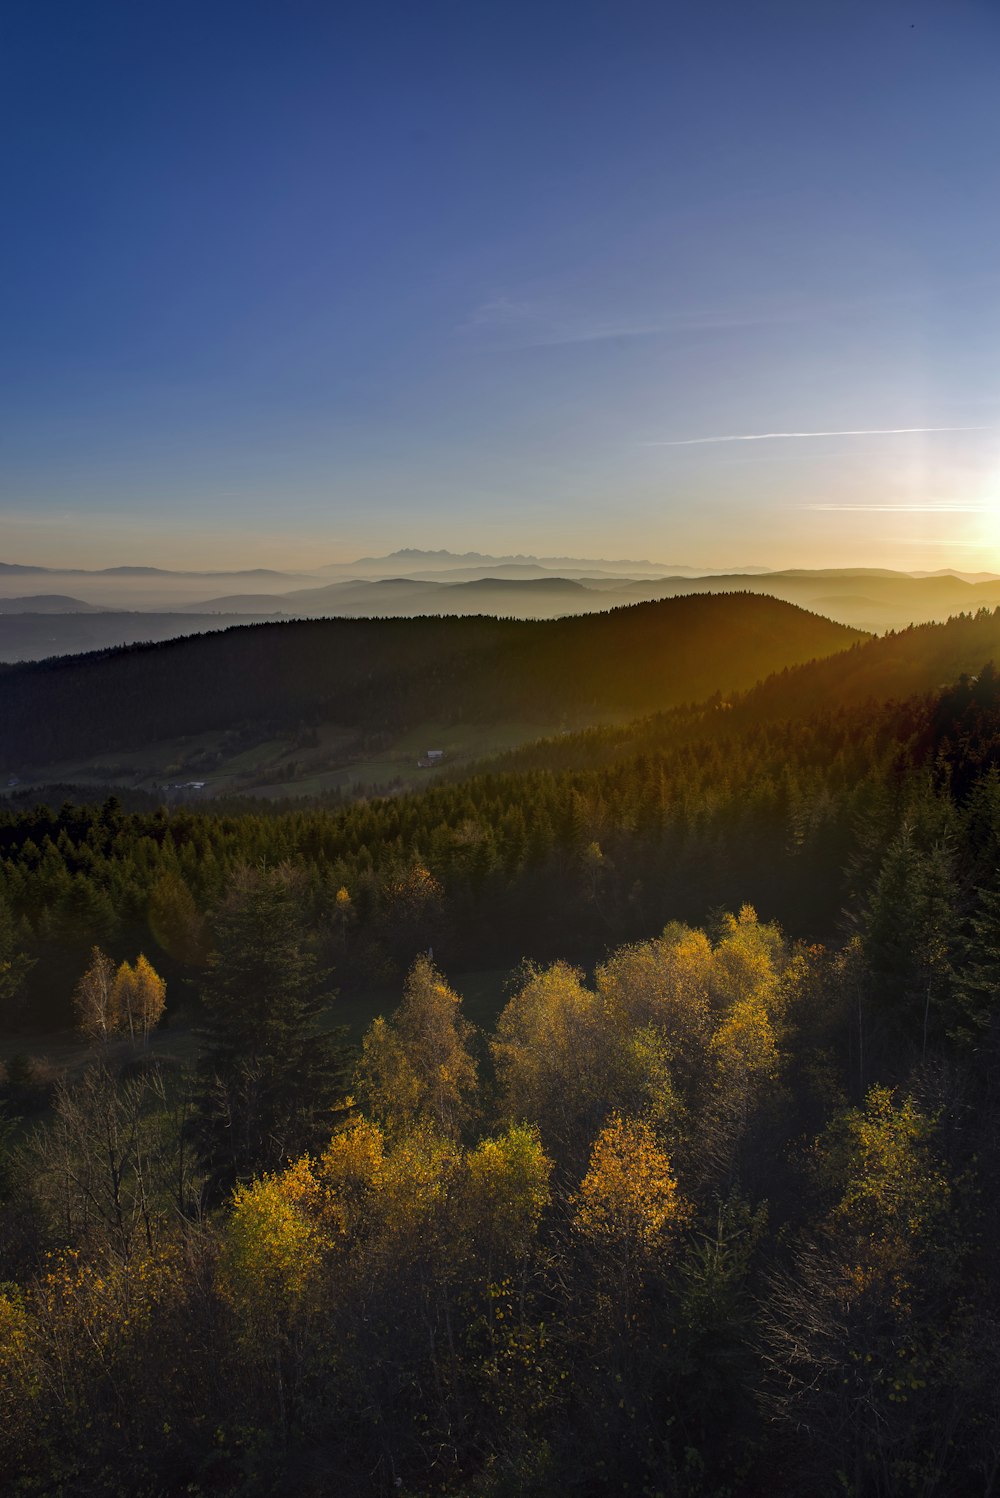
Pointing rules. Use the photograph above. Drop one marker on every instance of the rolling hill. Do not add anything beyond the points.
(872, 599)
(386, 676)
(413, 582)
(914, 663)
(48, 603)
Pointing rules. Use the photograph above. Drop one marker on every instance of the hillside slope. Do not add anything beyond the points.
(388, 674)
(917, 660)
(913, 663)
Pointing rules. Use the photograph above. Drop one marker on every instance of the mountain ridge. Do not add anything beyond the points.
(382, 675)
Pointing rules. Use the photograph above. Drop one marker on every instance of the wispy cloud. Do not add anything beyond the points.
(930, 507)
(499, 312)
(524, 324)
(781, 436)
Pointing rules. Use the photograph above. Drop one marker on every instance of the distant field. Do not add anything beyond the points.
(397, 765)
(277, 767)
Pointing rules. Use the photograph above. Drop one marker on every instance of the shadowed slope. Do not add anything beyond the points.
(390, 673)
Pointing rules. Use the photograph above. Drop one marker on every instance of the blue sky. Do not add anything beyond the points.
(284, 283)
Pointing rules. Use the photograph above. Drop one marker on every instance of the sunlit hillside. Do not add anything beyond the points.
(330, 694)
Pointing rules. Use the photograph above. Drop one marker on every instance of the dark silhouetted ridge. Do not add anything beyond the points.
(385, 674)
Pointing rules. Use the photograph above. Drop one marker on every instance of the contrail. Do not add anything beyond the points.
(944, 507)
(853, 432)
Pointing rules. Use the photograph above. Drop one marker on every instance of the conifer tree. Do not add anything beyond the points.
(977, 987)
(910, 928)
(15, 964)
(175, 922)
(271, 1078)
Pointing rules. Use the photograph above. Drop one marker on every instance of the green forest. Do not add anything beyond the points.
(707, 1207)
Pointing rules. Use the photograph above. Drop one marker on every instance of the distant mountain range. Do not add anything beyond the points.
(346, 690)
(41, 635)
(414, 582)
(865, 598)
(23, 569)
(49, 603)
(415, 562)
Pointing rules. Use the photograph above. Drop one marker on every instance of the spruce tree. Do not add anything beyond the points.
(15, 964)
(977, 985)
(909, 930)
(271, 1078)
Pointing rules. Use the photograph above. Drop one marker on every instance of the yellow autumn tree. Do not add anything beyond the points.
(385, 1192)
(566, 1057)
(138, 997)
(627, 1212)
(628, 1200)
(351, 1172)
(343, 919)
(659, 993)
(75, 1353)
(745, 1046)
(854, 1328)
(22, 1383)
(273, 1242)
(500, 1196)
(752, 976)
(387, 1208)
(504, 1193)
(270, 1275)
(747, 961)
(554, 1054)
(417, 1065)
(665, 982)
(420, 1171)
(895, 1194)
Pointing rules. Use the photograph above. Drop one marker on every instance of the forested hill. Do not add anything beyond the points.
(909, 663)
(392, 673)
(919, 659)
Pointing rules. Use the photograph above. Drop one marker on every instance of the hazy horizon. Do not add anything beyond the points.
(70, 540)
(230, 562)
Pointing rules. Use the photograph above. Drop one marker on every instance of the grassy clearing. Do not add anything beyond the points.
(396, 766)
(276, 768)
(126, 767)
(335, 760)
